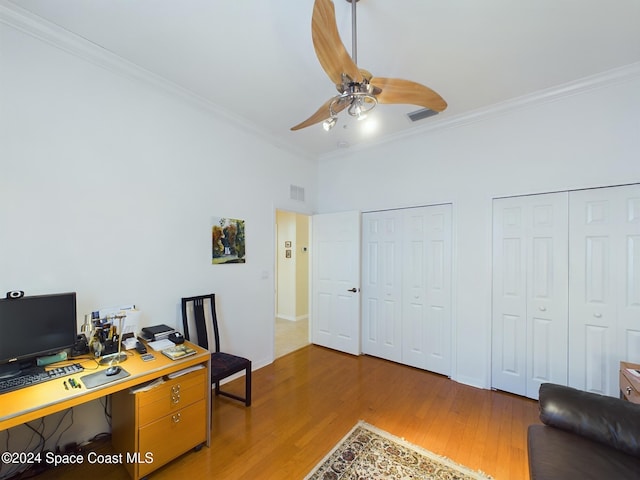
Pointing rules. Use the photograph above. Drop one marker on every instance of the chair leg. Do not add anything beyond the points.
(247, 379)
(247, 386)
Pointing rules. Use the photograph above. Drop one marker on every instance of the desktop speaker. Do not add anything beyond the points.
(15, 294)
(81, 346)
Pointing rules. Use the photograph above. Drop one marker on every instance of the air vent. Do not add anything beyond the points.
(296, 193)
(421, 114)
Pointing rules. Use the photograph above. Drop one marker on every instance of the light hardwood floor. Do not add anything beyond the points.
(290, 336)
(306, 401)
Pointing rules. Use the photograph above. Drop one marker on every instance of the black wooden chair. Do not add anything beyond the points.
(199, 317)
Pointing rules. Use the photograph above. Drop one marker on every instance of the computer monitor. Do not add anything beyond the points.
(35, 326)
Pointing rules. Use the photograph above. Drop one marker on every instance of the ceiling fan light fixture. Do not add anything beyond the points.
(358, 90)
(361, 104)
(329, 123)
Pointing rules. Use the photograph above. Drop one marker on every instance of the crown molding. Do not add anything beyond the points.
(69, 42)
(601, 80)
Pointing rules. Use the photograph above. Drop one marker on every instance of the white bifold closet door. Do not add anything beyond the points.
(604, 286)
(529, 331)
(382, 284)
(406, 286)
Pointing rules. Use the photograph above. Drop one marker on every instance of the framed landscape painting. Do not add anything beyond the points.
(227, 241)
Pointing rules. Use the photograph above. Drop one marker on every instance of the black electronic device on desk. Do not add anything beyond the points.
(140, 348)
(156, 332)
(32, 327)
(177, 338)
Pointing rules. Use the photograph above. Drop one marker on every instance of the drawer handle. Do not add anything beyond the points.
(175, 398)
(176, 388)
(176, 418)
(597, 315)
(628, 390)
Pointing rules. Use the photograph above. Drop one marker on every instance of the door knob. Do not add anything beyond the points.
(353, 290)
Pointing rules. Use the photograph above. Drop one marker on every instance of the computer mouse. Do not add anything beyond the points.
(113, 370)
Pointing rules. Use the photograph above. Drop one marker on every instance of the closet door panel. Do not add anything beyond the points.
(541, 358)
(427, 288)
(413, 334)
(371, 282)
(592, 337)
(406, 286)
(382, 285)
(438, 287)
(598, 342)
(629, 296)
(416, 328)
(547, 291)
(529, 333)
(509, 296)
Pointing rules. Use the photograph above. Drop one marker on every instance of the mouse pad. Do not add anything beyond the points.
(99, 378)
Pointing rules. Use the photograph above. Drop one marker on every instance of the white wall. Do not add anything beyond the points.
(300, 253)
(582, 140)
(108, 186)
(286, 267)
(292, 273)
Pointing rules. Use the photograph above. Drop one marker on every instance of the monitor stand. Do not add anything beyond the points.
(13, 369)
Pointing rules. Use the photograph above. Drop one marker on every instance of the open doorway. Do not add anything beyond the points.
(292, 282)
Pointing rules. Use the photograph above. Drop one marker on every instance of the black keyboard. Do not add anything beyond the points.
(37, 375)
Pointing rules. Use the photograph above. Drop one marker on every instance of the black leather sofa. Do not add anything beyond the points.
(584, 436)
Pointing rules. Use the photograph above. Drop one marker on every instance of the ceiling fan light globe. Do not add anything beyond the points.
(355, 109)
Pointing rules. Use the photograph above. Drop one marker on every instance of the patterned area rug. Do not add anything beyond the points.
(367, 452)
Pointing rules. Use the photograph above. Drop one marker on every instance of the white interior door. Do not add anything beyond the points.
(509, 323)
(547, 292)
(335, 302)
(382, 284)
(629, 294)
(427, 288)
(605, 285)
(530, 306)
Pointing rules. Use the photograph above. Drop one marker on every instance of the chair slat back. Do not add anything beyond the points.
(200, 322)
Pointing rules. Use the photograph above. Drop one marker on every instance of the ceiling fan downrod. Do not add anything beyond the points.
(354, 32)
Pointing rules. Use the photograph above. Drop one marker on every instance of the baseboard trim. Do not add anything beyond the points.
(293, 319)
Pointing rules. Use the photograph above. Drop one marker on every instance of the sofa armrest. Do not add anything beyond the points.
(603, 419)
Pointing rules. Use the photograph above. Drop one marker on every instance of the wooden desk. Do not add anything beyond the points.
(26, 404)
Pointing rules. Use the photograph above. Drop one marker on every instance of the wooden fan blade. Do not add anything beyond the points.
(331, 52)
(396, 90)
(322, 114)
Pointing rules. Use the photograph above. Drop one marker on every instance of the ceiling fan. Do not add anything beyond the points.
(358, 90)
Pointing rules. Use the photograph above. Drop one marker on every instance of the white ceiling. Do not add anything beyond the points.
(254, 59)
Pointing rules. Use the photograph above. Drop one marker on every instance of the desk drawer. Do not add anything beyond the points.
(173, 435)
(628, 390)
(171, 396)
